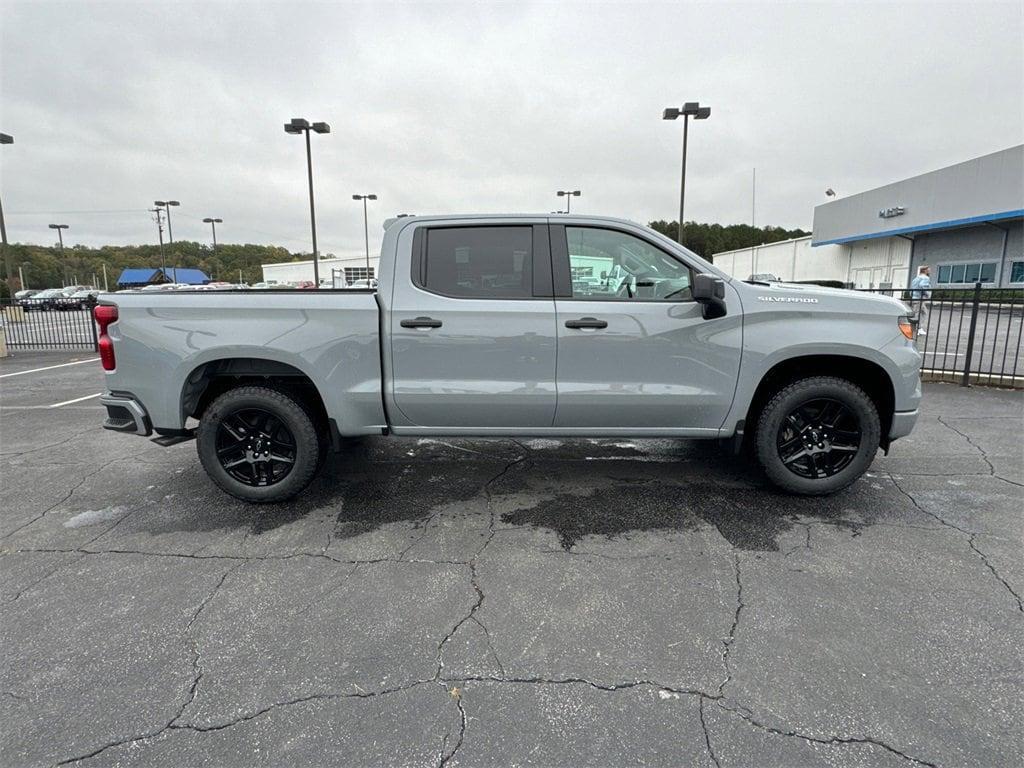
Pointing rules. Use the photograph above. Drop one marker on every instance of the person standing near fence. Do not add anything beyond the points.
(920, 292)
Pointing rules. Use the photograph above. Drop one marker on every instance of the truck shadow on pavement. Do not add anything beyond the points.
(574, 489)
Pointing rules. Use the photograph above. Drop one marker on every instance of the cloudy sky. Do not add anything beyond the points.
(482, 107)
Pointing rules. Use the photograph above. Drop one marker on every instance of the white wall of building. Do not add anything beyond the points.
(790, 260)
(882, 262)
(296, 271)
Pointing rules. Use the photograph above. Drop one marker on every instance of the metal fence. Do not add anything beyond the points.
(965, 335)
(970, 335)
(40, 326)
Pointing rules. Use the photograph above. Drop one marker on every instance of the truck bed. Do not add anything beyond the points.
(164, 339)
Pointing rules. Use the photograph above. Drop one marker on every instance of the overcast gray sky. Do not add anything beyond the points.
(473, 107)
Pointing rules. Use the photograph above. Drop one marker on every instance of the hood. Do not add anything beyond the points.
(842, 299)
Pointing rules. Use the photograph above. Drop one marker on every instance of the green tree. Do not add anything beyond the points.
(708, 239)
(44, 268)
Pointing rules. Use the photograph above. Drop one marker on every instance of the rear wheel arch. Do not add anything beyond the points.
(211, 379)
(863, 373)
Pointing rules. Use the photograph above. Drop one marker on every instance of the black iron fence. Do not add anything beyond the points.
(965, 335)
(970, 336)
(48, 325)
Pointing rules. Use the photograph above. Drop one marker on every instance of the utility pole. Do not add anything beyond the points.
(105, 286)
(160, 231)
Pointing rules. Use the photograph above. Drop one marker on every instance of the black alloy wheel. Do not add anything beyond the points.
(819, 438)
(255, 447)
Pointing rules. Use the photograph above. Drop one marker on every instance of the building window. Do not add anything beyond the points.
(357, 273)
(968, 272)
(1017, 272)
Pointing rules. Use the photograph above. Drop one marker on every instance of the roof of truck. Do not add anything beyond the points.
(463, 216)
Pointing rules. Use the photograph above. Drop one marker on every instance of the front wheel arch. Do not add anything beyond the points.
(865, 374)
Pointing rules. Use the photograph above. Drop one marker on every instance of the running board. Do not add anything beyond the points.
(169, 440)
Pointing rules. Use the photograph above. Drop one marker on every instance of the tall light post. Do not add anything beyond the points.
(5, 139)
(167, 205)
(60, 239)
(366, 228)
(213, 225)
(297, 126)
(568, 195)
(697, 112)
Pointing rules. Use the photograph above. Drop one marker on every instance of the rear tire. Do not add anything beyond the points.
(817, 435)
(259, 444)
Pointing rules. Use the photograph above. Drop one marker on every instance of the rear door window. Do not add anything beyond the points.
(478, 262)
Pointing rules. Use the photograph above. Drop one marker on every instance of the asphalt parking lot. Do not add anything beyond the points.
(476, 603)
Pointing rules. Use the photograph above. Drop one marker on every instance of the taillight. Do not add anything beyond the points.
(906, 327)
(105, 314)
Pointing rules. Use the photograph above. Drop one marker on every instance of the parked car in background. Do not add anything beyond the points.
(364, 284)
(481, 331)
(77, 300)
(43, 300)
(305, 285)
(764, 277)
(24, 293)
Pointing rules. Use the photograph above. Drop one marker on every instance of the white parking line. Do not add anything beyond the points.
(76, 400)
(48, 368)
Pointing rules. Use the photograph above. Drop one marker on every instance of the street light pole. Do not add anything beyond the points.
(6, 139)
(688, 110)
(366, 228)
(166, 205)
(60, 238)
(301, 125)
(213, 225)
(568, 195)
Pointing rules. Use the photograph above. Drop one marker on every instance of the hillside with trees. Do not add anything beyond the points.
(43, 268)
(708, 239)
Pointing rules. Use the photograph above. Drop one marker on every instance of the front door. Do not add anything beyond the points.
(633, 348)
(473, 335)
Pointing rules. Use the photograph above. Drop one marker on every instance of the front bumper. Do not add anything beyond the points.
(902, 423)
(126, 414)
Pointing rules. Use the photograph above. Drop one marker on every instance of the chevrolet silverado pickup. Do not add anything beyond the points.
(554, 326)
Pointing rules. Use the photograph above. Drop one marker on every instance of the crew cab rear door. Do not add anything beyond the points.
(472, 328)
(634, 350)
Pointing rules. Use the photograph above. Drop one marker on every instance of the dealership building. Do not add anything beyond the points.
(965, 221)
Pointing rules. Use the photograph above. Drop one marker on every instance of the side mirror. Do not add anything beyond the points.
(709, 291)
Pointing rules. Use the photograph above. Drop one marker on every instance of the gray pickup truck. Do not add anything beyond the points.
(554, 326)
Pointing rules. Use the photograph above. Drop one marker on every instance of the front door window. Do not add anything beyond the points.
(611, 265)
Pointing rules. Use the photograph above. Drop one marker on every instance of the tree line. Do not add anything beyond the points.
(708, 239)
(43, 266)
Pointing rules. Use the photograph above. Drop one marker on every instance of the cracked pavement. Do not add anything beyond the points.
(499, 602)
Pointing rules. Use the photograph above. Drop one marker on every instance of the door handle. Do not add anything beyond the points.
(421, 322)
(586, 322)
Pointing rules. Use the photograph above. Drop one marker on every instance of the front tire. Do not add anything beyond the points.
(817, 435)
(258, 444)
